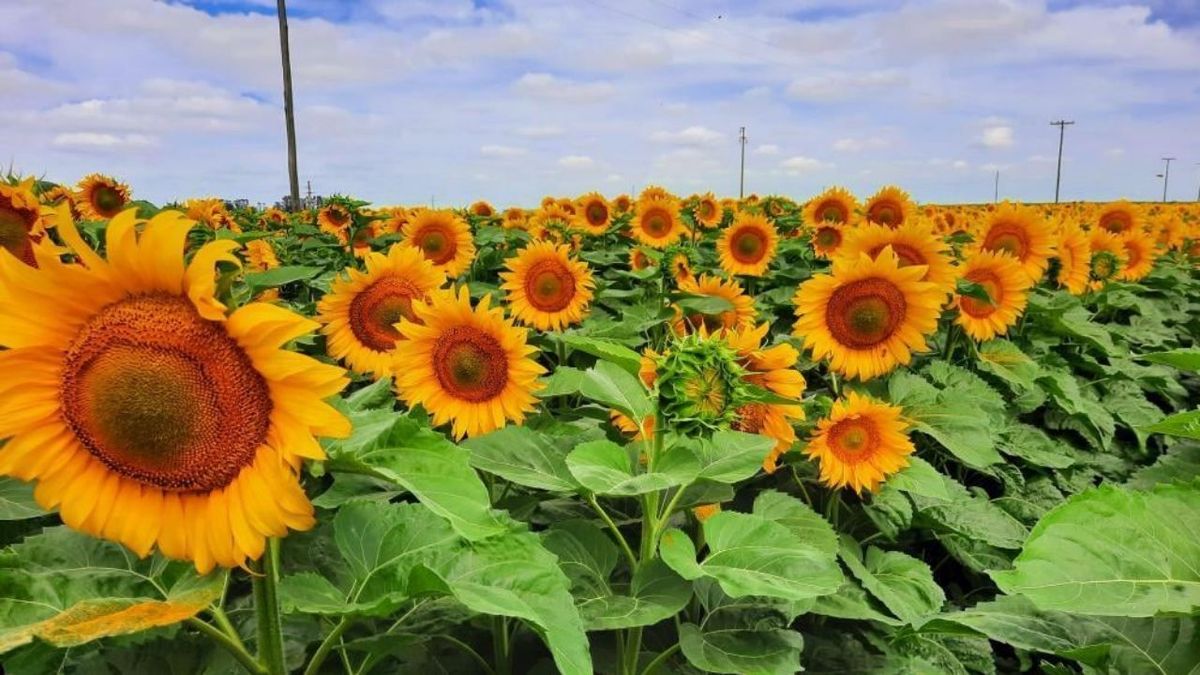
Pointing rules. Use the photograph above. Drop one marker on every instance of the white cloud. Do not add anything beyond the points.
(767, 149)
(997, 137)
(540, 131)
(550, 87)
(576, 162)
(800, 165)
(860, 144)
(501, 151)
(91, 140)
(960, 164)
(834, 87)
(693, 135)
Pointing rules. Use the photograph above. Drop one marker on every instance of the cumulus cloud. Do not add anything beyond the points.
(800, 165)
(92, 140)
(767, 149)
(835, 87)
(693, 135)
(997, 137)
(547, 86)
(576, 162)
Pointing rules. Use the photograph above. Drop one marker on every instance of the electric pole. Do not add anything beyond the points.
(742, 175)
(996, 189)
(1062, 127)
(288, 110)
(1198, 189)
(1166, 175)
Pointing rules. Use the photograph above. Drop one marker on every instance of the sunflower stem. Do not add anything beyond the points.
(243, 657)
(500, 646)
(314, 665)
(267, 613)
(223, 622)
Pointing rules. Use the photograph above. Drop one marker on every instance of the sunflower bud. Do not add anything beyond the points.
(700, 385)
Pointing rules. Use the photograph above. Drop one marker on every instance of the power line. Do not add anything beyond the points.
(1062, 126)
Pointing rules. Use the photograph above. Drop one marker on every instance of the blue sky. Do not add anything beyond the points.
(448, 101)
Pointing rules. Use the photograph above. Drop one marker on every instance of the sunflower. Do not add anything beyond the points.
(444, 237)
(707, 212)
(273, 218)
(101, 197)
(741, 314)
(1007, 287)
(391, 221)
(145, 414)
(627, 426)
(655, 193)
(362, 308)
(1020, 232)
(748, 245)
(656, 222)
(206, 211)
(868, 316)
(1108, 257)
(622, 203)
(482, 209)
(638, 259)
(260, 255)
(21, 225)
(914, 243)
(470, 367)
(550, 221)
(335, 219)
(1119, 217)
(773, 369)
(546, 288)
(594, 214)
(60, 195)
(681, 267)
(1139, 256)
(891, 206)
(827, 238)
(1074, 254)
(514, 218)
(835, 205)
(860, 444)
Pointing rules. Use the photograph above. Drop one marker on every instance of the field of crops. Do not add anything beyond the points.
(630, 435)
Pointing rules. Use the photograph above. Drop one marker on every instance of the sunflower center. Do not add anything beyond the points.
(163, 396)
(107, 200)
(707, 210)
(828, 237)
(438, 245)
(833, 212)
(1008, 238)
(1116, 223)
(549, 286)
(14, 232)
(990, 283)
(376, 310)
(885, 213)
(749, 246)
(657, 222)
(706, 390)
(470, 364)
(865, 313)
(850, 439)
(338, 216)
(597, 213)
(1104, 265)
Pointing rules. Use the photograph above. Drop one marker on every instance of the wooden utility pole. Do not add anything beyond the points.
(1166, 175)
(1062, 126)
(289, 113)
(742, 174)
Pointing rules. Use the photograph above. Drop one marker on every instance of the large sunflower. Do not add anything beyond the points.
(1108, 257)
(444, 237)
(594, 214)
(742, 313)
(546, 288)
(1074, 253)
(145, 414)
(860, 444)
(914, 243)
(707, 211)
(362, 308)
(868, 316)
(891, 206)
(656, 222)
(835, 205)
(1020, 232)
(1007, 287)
(773, 369)
(748, 245)
(469, 367)
(21, 226)
(1119, 217)
(100, 197)
(1139, 256)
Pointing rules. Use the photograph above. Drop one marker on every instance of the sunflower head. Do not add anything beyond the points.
(482, 209)
(740, 311)
(1006, 285)
(835, 205)
(860, 444)
(914, 243)
(1139, 255)
(1109, 257)
(656, 222)
(655, 192)
(594, 213)
(444, 237)
(891, 207)
(748, 245)
(622, 203)
(514, 218)
(827, 238)
(1119, 217)
(1020, 232)
(551, 221)
(101, 197)
(21, 225)
(260, 255)
(1074, 255)
(700, 384)
(707, 211)
(546, 288)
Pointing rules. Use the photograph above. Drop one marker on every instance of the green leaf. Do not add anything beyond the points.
(752, 652)
(1179, 464)
(971, 515)
(609, 384)
(1184, 359)
(1034, 446)
(16, 500)
(890, 510)
(710, 305)
(970, 289)
(751, 555)
(376, 395)
(730, 456)
(1020, 372)
(605, 468)
(656, 593)
(919, 478)
(1113, 552)
(564, 381)
(902, 583)
(68, 589)
(280, 276)
(398, 449)
(951, 416)
(525, 457)
(1186, 425)
(608, 350)
(797, 517)
(852, 602)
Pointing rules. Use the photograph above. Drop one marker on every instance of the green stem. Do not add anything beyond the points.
(266, 610)
(470, 652)
(314, 665)
(833, 384)
(500, 647)
(615, 530)
(660, 659)
(226, 625)
(243, 657)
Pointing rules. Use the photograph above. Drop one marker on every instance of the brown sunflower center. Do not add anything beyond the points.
(990, 283)
(707, 210)
(597, 214)
(865, 313)
(828, 237)
(1007, 237)
(886, 213)
(470, 364)
(1116, 222)
(833, 212)
(107, 200)
(438, 244)
(852, 438)
(163, 396)
(338, 216)
(15, 225)
(749, 245)
(377, 308)
(657, 222)
(549, 286)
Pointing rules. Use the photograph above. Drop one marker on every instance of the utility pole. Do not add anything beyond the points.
(1062, 127)
(1166, 175)
(996, 189)
(742, 179)
(289, 115)
(1198, 189)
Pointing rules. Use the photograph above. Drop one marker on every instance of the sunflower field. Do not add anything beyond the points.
(632, 435)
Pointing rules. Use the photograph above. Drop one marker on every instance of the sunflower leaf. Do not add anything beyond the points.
(615, 387)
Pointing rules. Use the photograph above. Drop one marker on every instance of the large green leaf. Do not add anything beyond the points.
(852, 602)
(16, 500)
(950, 416)
(730, 456)
(1034, 446)
(971, 515)
(742, 650)
(611, 385)
(280, 276)
(902, 583)
(752, 555)
(1184, 359)
(605, 468)
(1114, 552)
(919, 478)
(1186, 424)
(525, 457)
(607, 350)
(1016, 368)
(797, 517)
(68, 589)
(402, 451)
(1179, 464)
